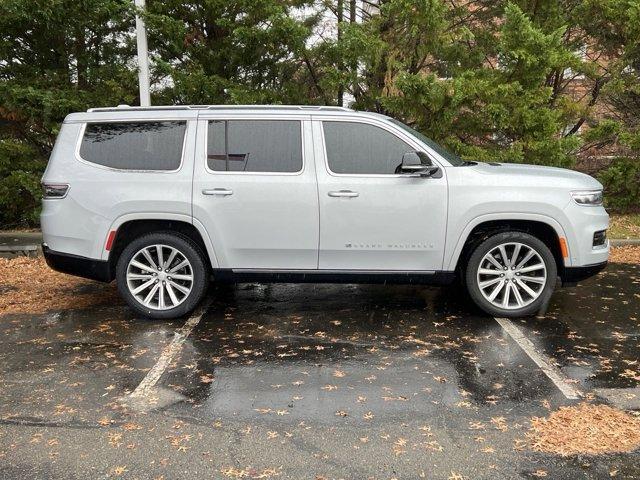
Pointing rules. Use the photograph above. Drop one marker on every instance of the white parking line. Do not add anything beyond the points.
(151, 378)
(551, 371)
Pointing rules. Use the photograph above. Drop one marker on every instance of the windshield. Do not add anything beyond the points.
(451, 157)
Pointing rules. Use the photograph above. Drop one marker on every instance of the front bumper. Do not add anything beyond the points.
(572, 275)
(76, 265)
(582, 223)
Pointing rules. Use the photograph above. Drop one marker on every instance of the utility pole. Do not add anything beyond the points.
(143, 57)
(340, 12)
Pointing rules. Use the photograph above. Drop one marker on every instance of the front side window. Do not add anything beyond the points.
(134, 145)
(359, 148)
(254, 146)
(451, 157)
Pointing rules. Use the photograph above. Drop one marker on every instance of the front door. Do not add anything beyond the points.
(254, 190)
(371, 217)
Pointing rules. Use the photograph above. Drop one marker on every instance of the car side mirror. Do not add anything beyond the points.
(412, 165)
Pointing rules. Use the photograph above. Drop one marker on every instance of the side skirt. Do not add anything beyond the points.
(334, 276)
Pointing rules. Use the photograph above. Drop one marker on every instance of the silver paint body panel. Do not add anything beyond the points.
(289, 221)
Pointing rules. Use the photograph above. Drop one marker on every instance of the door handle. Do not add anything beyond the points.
(217, 191)
(343, 193)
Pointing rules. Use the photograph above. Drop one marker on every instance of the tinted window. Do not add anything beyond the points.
(361, 148)
(254, 146)
(451, 157)
(134, 145)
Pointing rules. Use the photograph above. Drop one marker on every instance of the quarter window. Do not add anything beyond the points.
(359, 148)
(134, 145)
(254, 146)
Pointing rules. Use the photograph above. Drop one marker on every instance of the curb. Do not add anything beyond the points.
(18, 248)
(13, 251)
(621, 242)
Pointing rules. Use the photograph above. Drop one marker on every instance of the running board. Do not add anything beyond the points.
(422, 277)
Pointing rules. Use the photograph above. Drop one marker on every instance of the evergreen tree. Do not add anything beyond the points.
(56, 57)
(228, 51)
(477, 79)
(538, 81)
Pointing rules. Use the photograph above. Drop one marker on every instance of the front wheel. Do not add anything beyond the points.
(162, 275)
(511, 274)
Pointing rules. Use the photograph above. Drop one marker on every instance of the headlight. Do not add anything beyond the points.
(589, 197)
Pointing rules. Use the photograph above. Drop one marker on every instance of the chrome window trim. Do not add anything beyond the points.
(257, 119)
(81, 132)
(410, 141)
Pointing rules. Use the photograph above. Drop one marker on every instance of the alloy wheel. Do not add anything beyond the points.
(511, 275)
(160, 277)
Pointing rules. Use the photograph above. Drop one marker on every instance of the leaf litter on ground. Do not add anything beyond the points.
(28, 285)
(585, 429)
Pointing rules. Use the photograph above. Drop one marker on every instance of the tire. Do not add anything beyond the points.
(483, 277)
(174, 297)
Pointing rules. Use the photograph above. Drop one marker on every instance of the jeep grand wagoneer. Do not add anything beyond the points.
(164, 199)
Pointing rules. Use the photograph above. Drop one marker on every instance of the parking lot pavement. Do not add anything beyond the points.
(314, 381)
(594, 333)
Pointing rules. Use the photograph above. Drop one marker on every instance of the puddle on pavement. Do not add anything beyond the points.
(324, 352)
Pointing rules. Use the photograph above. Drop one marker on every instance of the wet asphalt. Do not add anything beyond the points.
(314, 382)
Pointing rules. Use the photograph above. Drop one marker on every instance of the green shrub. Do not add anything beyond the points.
(21, 167)
(621, 182)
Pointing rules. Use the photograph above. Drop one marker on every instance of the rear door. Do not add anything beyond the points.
(255, 190)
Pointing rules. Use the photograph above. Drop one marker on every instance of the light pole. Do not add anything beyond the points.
(143, 57)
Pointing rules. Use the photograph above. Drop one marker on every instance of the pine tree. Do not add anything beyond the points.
(57, 56)
(228, 51)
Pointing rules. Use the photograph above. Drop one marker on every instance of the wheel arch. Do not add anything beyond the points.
(476, 233)
(127, 229)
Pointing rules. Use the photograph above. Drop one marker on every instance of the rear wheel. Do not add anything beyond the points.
(511, 274)
(162, 275)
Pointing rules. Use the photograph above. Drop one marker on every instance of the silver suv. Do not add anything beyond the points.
(163, 199)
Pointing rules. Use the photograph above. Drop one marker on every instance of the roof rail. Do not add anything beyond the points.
(129, 107)
(221, 107)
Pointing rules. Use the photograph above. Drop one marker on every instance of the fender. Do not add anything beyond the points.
(452, 255)
(118, 222)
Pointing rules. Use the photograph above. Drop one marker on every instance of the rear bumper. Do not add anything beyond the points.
(76, 265)
(573, 275)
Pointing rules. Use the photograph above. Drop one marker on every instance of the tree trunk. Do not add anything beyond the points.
(354, 63)
(81, 57)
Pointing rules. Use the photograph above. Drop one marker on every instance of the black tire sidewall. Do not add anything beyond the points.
(490, 243)
(189, 249)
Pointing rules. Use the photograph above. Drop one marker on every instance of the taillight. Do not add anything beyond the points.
(54, 190)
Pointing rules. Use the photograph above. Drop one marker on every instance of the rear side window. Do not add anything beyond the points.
(359, 148)
(254, 146)
(134, 145)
